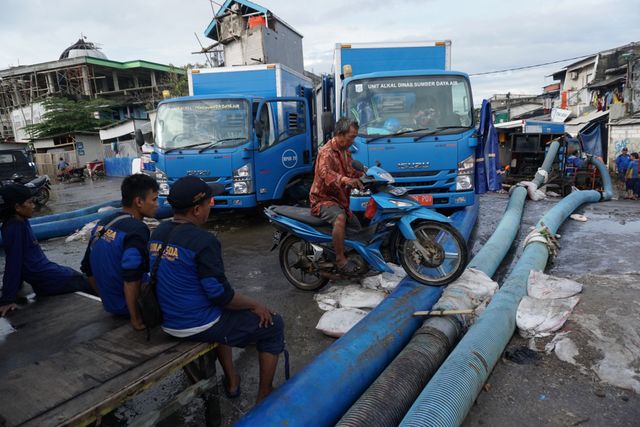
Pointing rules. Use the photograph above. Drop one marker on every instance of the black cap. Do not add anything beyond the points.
(15, 193)
(191, 191)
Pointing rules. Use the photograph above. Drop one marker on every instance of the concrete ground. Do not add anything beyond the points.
(599, 253)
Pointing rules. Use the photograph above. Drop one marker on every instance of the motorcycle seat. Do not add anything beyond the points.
(38, 181)
(300, 214)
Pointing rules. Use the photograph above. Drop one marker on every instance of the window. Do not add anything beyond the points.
(281, 120)
(6, 158)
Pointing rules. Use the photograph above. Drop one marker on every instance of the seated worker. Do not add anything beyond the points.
(196, 299)
(116, 258)
(333, 180)
(25, 260)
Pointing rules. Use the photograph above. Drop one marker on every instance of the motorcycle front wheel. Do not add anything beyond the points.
(298, 267)
(437, 257)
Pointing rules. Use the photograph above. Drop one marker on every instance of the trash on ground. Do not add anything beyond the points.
(578, 217)
(564, 347)
(5, 328)
(522, 355)
(541, 317)
(336, 323)
(544, 286)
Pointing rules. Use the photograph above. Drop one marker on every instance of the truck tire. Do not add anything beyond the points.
(446, 256)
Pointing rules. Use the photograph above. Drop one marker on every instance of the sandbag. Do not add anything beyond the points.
(544, 286)
(336, 323)
(541, 317)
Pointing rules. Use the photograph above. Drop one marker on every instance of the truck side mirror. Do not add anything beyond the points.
(139, 138)
(327, 122)
(259, 127)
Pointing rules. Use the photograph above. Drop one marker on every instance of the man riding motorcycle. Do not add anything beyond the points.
(333, 180)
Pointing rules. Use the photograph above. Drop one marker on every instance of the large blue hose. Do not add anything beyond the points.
(320, 393)
(449, 395)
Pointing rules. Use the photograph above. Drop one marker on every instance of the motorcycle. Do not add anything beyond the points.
(72, 175)
(40, 187)
(423, 241)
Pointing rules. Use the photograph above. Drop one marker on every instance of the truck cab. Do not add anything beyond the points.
(416, 117)
(257, 147)
(419, 126)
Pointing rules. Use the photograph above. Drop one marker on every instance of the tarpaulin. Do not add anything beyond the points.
(118, 166)
(487, 161)
(592, 141)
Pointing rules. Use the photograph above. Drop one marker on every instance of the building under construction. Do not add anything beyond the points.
(81, 72)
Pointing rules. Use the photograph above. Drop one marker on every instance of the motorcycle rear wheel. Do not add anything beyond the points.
(295, 265)
(447, 254)
(42, 196)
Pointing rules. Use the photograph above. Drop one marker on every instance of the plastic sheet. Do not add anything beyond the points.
(338, 322)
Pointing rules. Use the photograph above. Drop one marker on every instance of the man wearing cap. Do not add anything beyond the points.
(196, 299)
(25, 260)
(622, 164)
(116, 258)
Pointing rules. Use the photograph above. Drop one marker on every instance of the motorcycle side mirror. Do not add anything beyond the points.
(139, 138)
(357, 165)
(327, 122)
(259, 127)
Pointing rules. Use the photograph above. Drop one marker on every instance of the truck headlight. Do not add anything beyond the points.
(243, 180)
(466, 166)
(163, 183)
(464, 182)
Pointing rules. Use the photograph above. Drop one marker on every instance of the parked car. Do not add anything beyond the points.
(16, 162)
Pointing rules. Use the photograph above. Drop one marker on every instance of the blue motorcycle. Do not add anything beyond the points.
(401, 230)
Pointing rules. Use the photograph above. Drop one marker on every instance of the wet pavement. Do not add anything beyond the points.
(598, 253)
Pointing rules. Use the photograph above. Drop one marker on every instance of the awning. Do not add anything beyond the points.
(606, 82)
(574, 126)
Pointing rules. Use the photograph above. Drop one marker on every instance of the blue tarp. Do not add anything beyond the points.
(591, 140)
(487, 161)
(118, 166)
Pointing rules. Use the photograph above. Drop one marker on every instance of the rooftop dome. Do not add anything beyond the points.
(82, 48)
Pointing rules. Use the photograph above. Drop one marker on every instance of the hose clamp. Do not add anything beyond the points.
(545, 236)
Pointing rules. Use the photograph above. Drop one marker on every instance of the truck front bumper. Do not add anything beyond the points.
(226, 202)
(440, 200)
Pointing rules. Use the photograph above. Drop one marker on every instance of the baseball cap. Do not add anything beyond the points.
(15, 193)
(191, 191)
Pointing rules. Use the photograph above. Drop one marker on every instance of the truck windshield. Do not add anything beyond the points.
(210, 122)
(420, 104)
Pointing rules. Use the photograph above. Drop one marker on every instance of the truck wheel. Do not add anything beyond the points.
(297, 267)
(437, 257)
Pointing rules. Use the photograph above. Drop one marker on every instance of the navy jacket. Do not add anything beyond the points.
(191, 285)
(25, 261)
(119, 256)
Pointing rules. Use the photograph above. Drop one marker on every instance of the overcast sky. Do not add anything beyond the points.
(486, 35)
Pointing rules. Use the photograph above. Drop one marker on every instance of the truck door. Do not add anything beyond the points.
(284, 137)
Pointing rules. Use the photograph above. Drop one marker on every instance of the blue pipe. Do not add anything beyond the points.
(354, 361)
(449, 395)
(72, 214)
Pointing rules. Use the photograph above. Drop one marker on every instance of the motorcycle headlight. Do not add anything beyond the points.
(356, 192)
(464, 182)
(401, 203)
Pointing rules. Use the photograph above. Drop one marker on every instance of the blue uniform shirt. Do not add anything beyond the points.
(119, 256)
(25, 261)
(622, 162)
(191, 285)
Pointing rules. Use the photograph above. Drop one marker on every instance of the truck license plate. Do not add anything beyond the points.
(424, 199)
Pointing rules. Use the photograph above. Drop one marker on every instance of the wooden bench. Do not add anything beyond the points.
(70, 363)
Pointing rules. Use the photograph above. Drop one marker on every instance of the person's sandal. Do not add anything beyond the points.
(231, 395)
(349, 268)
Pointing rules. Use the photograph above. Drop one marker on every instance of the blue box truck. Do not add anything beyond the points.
(248, 128)
(416, 117)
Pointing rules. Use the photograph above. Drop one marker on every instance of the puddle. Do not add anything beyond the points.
(5, 328)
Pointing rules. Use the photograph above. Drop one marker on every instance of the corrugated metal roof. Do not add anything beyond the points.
(605, 82)
(626, 121)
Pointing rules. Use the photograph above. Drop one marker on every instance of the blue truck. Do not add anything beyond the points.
(416, 117)
(248, 128)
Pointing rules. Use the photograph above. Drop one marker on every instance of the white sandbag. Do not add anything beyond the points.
(355, 296)
(337, 322)
(329, 298)
(543, 286)
(105, 208)
(469, 291)
(82, 234)
(541, 317)
(385, 281)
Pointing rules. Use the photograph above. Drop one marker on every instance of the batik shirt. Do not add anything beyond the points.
(332, 165)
